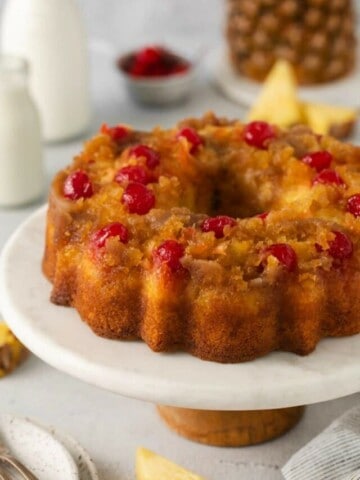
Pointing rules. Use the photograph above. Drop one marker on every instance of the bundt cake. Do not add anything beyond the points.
(221, 239)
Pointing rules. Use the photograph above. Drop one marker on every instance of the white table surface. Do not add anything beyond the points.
(110, 426)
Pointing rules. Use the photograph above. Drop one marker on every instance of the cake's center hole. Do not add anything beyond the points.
(230, 196)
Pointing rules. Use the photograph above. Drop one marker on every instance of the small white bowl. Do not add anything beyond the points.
(162, 90)
(37, 448)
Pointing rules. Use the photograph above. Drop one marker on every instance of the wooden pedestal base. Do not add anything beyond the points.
(230, 428)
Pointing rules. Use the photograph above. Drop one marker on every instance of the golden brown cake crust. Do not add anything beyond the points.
(229, 301)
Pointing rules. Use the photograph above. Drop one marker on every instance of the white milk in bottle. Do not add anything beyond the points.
(50, 35)
(21, 166)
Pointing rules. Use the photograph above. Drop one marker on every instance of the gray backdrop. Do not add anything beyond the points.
(192, 24)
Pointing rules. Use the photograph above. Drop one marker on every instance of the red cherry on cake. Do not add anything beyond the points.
(192, 137)
(138, 198)
(133, 173)
(115, 229)
(353, 205)
(318, 160)
(77, 185)
(263, 215)
(284, 253)
(328, 177)
(258, 133)
(341, 247)
(151, 156)
(169, 252)
(117, 133)
(217, 224)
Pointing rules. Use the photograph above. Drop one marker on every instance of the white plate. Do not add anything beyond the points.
(242, 90)
(58, 336)
(38, 449)
(85, 465)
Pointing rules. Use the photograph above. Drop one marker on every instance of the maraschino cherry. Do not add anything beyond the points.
(328, 177)
(154, 61)
(170, 253)
(258, 133)
(318, 160)
(284, 253)
(353, 205)
(341, 247)
(217, 224)
(262, 215)
(138, 198)
(151, 156)
(133, 173)
(77, 185)
(192, 137)
(115, 229)
(117, 133)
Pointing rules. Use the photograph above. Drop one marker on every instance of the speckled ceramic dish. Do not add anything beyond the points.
(44, 455)
(85, 465)
(48, 453)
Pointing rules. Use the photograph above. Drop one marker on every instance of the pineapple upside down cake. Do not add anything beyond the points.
(222, 239)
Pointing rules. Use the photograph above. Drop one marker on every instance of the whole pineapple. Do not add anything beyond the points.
(316, 36)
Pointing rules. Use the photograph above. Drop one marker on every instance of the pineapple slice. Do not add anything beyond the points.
(278, 102)
(12, 352)
(329, 119)
(150, 466)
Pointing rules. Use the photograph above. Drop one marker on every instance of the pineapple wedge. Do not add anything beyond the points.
(278, 102)
(150, 466)
(329, 119)
(12, 352)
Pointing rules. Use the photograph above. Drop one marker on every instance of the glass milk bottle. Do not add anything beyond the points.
(49, 34)
(21, 166)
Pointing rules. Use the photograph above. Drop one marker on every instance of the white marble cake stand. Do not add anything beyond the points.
(57, 336)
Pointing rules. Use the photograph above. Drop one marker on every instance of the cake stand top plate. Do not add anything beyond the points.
(58, 336)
